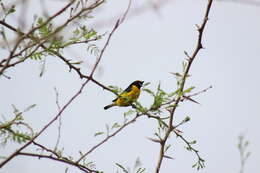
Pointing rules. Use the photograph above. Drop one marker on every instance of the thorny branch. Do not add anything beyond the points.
(190, 60)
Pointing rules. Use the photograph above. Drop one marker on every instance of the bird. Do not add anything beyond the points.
(128, 96)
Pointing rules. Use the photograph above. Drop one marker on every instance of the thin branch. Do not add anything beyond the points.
(63, 160)
(60, 123)
(202, 91)
(45, 149)
(247, 2)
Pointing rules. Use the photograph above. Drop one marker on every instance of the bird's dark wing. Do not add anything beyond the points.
(128, 89)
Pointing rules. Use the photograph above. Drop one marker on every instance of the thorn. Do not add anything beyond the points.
(154, 140)
(197, 26)
(7, 77)
(186, 53)
(168, 157)
(188, 98)
(200, 46)
(178, 131)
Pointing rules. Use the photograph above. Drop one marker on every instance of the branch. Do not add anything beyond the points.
(190, 60)
(64, 160)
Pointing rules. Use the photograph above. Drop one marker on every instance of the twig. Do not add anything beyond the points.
(46, 149)
(200, 160)
(202, 91)
(247, 2)
(59, 126)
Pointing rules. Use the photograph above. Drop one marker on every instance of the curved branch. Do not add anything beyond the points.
(63, 160)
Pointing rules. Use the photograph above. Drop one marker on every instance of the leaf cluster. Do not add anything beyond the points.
(16, 129)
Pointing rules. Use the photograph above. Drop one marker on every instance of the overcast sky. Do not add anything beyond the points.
(148, 47)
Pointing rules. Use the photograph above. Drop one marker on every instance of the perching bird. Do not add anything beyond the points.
(128, 96)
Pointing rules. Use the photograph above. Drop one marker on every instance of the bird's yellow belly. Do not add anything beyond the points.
(126, 99)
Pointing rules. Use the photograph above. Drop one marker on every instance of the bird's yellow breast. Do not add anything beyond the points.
(126, 98)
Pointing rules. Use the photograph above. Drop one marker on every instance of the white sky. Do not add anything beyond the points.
(148, 47)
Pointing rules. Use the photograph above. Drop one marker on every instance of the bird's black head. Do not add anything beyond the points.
(138, 83)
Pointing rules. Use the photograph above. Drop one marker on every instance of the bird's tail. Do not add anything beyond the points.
(109, 106)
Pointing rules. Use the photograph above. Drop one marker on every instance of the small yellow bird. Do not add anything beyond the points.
(128, 96)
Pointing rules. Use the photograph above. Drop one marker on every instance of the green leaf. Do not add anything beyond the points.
(167, 147)
(137, 163)
(187, 118)
(11, 10)
(188, 90)
(161, 123)
(140, 170)
(193, 142)
(90, 34)
(146, 84)
(194, 165)
(37, 56)
(120, 166)
(45, 29)
(29, 107)
(98, 133)
(148, 91)
(76, 32)
(115, 125)
(77, 63)
(130, 112)
(2, 32)
(178, 75)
